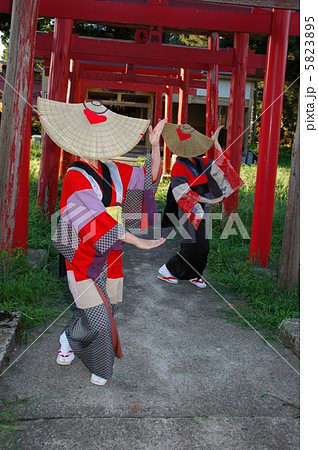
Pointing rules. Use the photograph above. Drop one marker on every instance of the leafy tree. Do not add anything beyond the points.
(291, 93)
(5, 27)
(192, 40)
(104, 31)
(291, 89)
(43, 24)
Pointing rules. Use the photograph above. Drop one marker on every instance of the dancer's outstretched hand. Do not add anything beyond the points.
(148, 244)
(155, 133)
(215, 201)
(143, 244)
(211, 201)
(215, 135)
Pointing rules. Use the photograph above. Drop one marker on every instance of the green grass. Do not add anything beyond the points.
(37, 293)
(9, 421)
(161, 193)
(263, 305)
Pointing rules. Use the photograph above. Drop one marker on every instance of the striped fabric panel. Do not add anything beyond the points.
(116, 178)
(221, 180)
(180, 187)
(82, 207)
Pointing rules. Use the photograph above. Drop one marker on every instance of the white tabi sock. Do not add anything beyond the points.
(65, 346)
(98, 380)
(165, 272)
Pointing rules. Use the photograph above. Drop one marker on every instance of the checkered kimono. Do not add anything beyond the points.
(191, 179)
(96, 210)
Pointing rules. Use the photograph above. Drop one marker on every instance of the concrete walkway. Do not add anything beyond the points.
(188, 379)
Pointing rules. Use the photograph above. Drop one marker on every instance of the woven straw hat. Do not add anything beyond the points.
(184, 140)
(90, 130)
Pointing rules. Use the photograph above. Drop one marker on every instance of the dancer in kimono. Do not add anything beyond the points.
(100, 201)
(196, 183)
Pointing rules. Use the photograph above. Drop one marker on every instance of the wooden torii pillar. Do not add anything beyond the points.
(16, 126)
(290, 251)
(168, 115)
(269, 138)
(235, 130)
(212, 94)
(57, 90)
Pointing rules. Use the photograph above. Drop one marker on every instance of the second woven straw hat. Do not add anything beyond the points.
(90, 130)
(185, 141)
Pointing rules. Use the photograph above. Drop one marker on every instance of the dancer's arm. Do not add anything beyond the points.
(154, 138)
(144, 244)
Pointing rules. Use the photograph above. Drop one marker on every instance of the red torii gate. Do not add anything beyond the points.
(246, 16)
(79, 47)
(154, 55)
(277, 23)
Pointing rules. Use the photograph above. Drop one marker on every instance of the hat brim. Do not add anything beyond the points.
(185, 141)
(68, 126)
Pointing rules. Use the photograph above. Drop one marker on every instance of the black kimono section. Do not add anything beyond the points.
(192, 257)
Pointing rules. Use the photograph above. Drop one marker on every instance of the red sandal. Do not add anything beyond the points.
(171, 280)
(198, 282)
(66, 358)
(165, 275)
